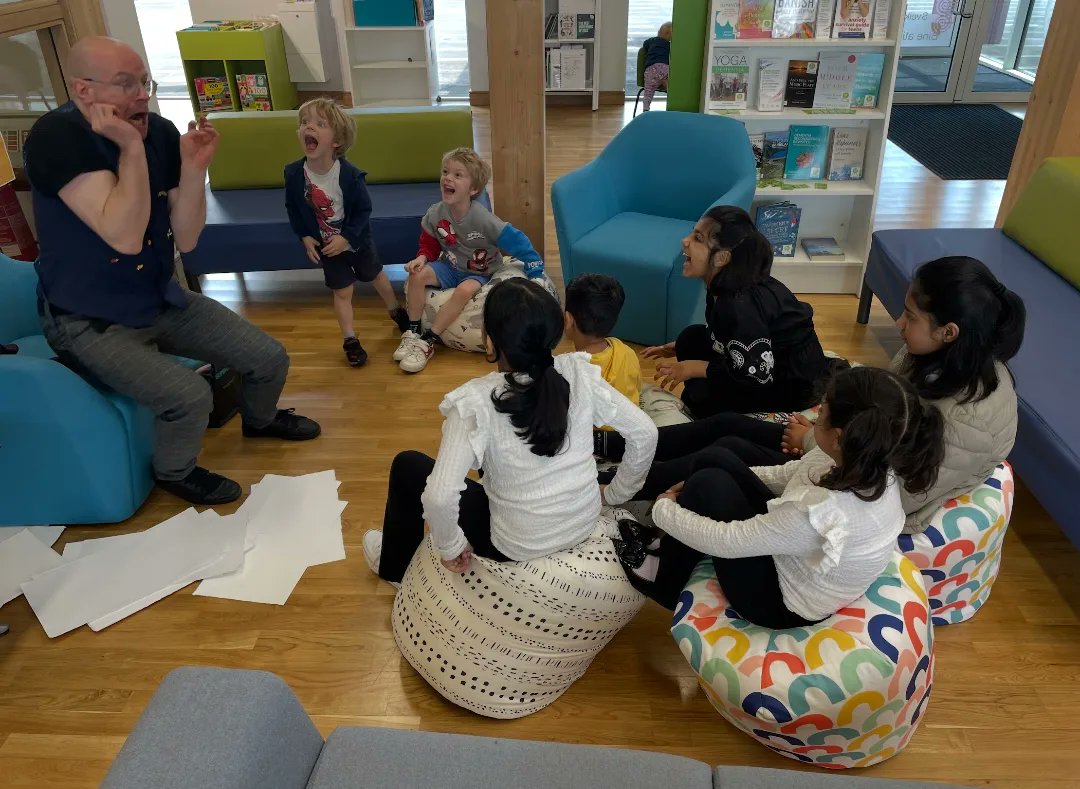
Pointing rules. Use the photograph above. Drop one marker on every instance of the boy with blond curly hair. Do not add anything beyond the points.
(330, 210)
(461, 246)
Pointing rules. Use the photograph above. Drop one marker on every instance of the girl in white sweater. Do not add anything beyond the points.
(529, 427)
(793, 544)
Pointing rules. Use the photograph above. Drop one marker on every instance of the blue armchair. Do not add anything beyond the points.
(625, 213)
(69, 452)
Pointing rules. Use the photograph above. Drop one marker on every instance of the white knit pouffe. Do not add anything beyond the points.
(464, 334)
(505, 640)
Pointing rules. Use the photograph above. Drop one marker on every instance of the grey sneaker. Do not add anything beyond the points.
(417, 353)
(403, 346)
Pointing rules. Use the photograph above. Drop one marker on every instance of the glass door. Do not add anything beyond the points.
(935, 39)
(1006, 59)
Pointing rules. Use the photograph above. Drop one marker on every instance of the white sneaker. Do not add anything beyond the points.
(417, 353)
(403, 346)
(373, 552)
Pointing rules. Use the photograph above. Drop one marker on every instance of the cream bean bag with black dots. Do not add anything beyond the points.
(464, 333)
(505, 640)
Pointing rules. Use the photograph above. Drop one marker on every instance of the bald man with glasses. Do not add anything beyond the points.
(115, 186)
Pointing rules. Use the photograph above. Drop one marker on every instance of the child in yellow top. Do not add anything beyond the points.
(593, 303)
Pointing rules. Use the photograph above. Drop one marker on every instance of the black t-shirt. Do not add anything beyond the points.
(62, 146)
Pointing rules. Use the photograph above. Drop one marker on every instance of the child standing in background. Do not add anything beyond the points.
(593, 303)
(330, 210)
(657, 55)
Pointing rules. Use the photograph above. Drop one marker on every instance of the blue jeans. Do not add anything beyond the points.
(451, 276)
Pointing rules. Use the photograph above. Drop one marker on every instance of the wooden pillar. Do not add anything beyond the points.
(516, 84)
(1052, 123)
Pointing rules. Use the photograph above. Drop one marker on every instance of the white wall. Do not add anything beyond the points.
(122, 23)
(614, 16)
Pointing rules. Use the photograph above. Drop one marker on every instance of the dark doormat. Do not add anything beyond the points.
(957, 142)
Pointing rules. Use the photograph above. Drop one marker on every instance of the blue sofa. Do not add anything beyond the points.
(625, 213)
(1047, 369)
(70, 452)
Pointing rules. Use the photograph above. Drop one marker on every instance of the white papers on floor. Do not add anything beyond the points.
(296, 523)
(124, 574)
(23, 555)
(48, 535)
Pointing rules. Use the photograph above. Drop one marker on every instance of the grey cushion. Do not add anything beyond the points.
(760, 778)
(374, 758)
(218, 728)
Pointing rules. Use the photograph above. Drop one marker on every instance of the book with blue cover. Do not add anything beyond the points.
(774, 155)
(779, 223)
(725, 19)
(822, 249)
(867, 86)
(808, 147)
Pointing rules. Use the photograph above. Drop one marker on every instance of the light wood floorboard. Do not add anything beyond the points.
(1003, 711)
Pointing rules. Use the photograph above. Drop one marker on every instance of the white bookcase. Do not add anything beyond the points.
(589, 46)
(392, 66)
(843, 209)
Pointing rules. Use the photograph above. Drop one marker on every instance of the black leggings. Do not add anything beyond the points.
(403, 523)
(679, 447)
(723, 488)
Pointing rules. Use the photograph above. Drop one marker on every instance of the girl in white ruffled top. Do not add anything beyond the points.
(793, 544)
(530, 428)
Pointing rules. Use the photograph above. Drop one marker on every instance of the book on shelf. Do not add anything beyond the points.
(755, 18)
(554, 70)
(867, 86)
(881, 18)
(772, 78)
(254, 91)
(551, 27)
(822, 249)
(774, 155)
(825, 11)
(854, 19)
(725, 16)
(801, 83)
(808, 148)
(573, 67)
(794, 18)
(586, 25)
(729, 79)
(213, 93)
(847, 154)
(779, 223)
(835, 81)
(567, 26)
(757, 144)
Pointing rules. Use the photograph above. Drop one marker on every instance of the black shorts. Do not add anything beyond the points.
(341, 271)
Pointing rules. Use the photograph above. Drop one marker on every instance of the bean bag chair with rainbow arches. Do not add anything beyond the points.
(847, 692)
(959, 554)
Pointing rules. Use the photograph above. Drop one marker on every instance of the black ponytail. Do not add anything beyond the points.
(524, 323)
(884, 426)
(734, 231)
(962, 290)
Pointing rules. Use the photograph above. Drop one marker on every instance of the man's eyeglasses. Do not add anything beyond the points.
(130, 87)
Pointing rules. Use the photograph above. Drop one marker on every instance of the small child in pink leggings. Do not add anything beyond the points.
(657, 54)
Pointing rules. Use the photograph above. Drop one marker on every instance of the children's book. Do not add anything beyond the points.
(757, 143)
(794, 18)
(213, 93)
(854, 19)
(725, 19)
(822, 249)
(254, 91)
(826, 10)
(774, 155)
(864, 93)
(835, 81)
(801, 83)
(808, 148)
(755, 18)
(729, 78)
(779, 222)
(847, 154)
(772, 77)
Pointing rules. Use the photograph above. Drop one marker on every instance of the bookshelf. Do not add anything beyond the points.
(555, 46)
(226, 53)
(843, 210)
(392, 66)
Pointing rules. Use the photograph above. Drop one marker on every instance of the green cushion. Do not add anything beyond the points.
(394, 145)
(1043, 217)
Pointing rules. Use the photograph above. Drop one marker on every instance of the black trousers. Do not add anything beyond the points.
(723, 488)
(403, 521)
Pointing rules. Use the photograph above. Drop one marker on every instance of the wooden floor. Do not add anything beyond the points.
(1006, 695)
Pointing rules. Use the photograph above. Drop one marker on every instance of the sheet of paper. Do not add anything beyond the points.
(303, 511)
(47, 534)
(22, 556)
(269, 575)
(105, 582)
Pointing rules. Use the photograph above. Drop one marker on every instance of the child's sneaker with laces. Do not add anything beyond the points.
(354, 352)
(403, 346)
(417, 353)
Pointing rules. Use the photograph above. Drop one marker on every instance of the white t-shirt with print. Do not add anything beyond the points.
(323, 194)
